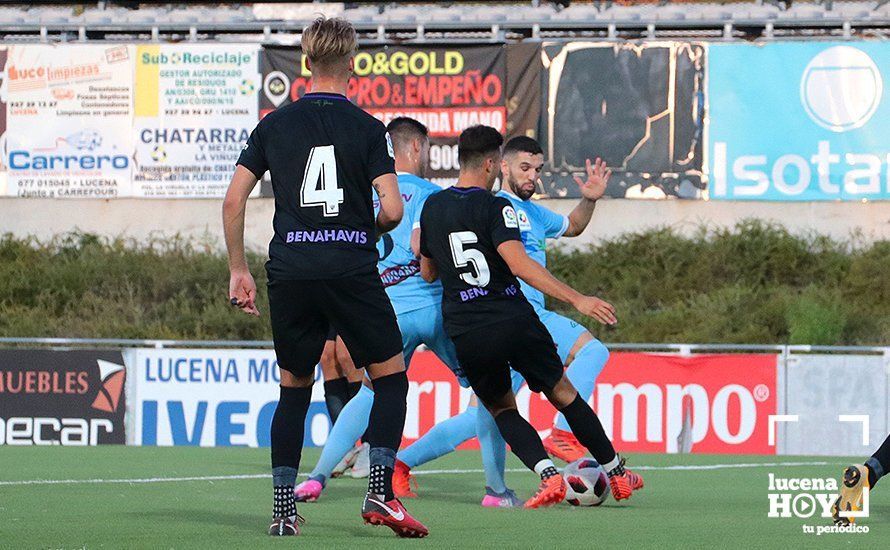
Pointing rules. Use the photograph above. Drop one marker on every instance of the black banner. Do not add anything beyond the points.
(640, 107)
(448, 88)
(72, 398)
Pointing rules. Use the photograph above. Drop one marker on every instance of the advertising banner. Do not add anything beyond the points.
(68, 121)
(195, 107)
(652, 403)
(802, 121)
(448, 88)
(852, 418)
(638, 106)
(71, 398)
(227, 397)
(213, 398)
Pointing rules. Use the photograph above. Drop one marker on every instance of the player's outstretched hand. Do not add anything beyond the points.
(597, 179)
(242, 292)
(600, 310)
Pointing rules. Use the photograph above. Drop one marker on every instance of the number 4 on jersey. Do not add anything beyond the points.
(319, 186)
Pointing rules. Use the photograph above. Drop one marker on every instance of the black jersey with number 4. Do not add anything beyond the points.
(461, 229)
(322, 152)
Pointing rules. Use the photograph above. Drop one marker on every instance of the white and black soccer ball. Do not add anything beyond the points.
(587, 483)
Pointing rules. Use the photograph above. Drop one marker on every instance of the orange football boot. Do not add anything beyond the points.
(564, 445)
(551, 491)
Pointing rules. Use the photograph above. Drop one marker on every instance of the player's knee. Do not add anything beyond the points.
(496, 406)
(329, 366)
(392, 365)
(343, 357)
(291, 380)
(597, 350)
(562, 393)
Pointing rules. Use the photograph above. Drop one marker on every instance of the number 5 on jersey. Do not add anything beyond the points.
(465, 256)
(319, 186)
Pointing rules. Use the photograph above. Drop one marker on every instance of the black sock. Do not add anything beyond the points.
(879, 463)
(287, 427)
(380, 478)
(287, 445)
(589, 430)
(522, 438)
(284, 504)
(549, 472)
(336, 395)
(384, 433)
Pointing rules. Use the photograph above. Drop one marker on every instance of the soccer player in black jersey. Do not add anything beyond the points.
(324, 154)
(470, 238)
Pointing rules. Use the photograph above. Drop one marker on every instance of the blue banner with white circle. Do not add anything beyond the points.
(799, 121)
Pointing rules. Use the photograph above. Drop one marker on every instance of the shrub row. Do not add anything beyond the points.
(754, 283)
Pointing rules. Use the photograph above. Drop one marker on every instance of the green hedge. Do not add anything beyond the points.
(754, 283)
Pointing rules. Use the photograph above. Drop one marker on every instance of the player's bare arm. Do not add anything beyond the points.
(415, 242)
(242, 288)
(428, 270)
(592, 189)
(530, 271)
(391, 206)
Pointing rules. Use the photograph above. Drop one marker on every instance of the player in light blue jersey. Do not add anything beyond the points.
(418, 307)
(584, 355)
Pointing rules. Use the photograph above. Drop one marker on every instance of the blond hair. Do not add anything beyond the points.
(329, 43)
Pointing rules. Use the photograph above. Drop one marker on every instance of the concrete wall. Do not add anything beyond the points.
(199, 220)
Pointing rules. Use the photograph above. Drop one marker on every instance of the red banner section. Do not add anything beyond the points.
(720, 402)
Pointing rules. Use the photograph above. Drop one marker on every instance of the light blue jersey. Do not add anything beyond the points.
(399, 268)
(536, 225)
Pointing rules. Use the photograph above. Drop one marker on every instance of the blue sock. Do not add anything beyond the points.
(443, 438)
(494, 450)
(350, 425)
(582, 373)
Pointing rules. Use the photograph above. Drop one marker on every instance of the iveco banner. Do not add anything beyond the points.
(799, 121)
(66, 398)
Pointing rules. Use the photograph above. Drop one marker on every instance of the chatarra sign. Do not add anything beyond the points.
(62, 397)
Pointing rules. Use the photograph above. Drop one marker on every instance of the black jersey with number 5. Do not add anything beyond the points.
(322, 153)
(461, 229)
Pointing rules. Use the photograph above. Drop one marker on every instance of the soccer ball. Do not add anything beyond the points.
(246, 87)
(159, 154)
(587, 483)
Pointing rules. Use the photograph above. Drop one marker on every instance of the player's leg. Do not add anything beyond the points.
(445, 436)
(364, 318)
(298, 332)
(336, 385)
(485, 360)
(353, 423)
(585, 357)
(495, 463)
(860, 478)
(356, 458)
(538, 362)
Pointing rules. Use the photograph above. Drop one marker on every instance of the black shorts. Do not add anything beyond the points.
(304, 312)
(486, 355)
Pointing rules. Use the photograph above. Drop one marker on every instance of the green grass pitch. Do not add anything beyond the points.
(685, 508)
